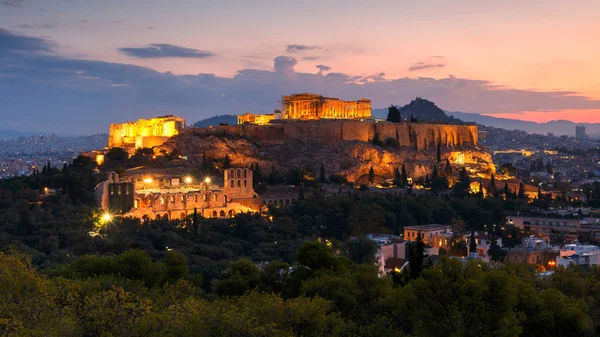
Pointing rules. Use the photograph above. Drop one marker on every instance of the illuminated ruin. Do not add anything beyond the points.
(144, 132)
(309, 106)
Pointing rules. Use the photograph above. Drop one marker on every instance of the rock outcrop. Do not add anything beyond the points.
(352, 158)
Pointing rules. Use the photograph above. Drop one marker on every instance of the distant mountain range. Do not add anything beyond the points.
(425, 110)
(12, 134)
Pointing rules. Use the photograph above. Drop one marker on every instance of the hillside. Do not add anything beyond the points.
(216, 120)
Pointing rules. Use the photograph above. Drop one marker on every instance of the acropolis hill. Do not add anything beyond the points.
(313, 129)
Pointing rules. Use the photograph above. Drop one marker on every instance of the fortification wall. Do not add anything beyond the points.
(419, 136)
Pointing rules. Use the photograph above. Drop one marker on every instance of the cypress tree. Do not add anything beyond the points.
(472, 243)
(371, 175)
(322, 173)
(521, 194)
(404, 176)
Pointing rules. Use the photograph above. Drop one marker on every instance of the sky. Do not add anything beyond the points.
(75, 66)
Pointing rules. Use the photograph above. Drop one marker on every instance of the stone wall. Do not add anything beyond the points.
(420, 136)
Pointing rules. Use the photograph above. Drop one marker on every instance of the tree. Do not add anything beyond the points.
(416, 256)
(226, 162)
(376, 140)
(117, 154)
(495, 252)
(462, 188)
(448, 172)
(472, 243)
(361, 250)
(521, 194)
(404, 176)
(240, 277)
(492, 190)
(394, 114)
(371, 175)
(322, 177)
(506, 191)
(438, 155)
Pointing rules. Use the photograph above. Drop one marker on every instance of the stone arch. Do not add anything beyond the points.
(166, 216)
(157, 217)
(214, 214)
(231, 213)
(222, 214)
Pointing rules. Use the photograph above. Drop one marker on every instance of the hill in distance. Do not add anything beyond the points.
(216, 120)
(422, 110)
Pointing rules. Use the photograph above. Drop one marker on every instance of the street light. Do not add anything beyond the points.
(148, 180)
(107, 217)
(188, 180)
(207, 180)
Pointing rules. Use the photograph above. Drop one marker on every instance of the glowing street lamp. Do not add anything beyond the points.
(107, 217)
(207, 180)
(148, 180)
(188, 180)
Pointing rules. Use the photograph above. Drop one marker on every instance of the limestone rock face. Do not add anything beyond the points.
(352, 158)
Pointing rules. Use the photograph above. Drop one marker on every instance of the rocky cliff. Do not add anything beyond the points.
(299, 148)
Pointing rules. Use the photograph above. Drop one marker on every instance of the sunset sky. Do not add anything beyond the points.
(66, 63)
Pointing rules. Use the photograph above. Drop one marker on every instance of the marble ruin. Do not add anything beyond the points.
(144, 132)
(310, 106)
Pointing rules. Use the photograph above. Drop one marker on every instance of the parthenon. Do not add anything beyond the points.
(310, 106)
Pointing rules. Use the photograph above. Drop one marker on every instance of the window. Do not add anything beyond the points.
(162, 202)
(239, 183)
(214, 197)
(245, 173)
(205, 196)
(195, 197)
(172, 199)
(245, 184)
(232, 184)
(225, 199)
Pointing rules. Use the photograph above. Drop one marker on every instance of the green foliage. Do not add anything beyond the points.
(361, 250)
(394, 114)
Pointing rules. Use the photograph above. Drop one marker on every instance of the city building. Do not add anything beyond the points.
(434, 235)
(580, 132)
(534, 250)
(144, 133)
(578, 254)
(162, 196)
(309, 106)
(558, 230)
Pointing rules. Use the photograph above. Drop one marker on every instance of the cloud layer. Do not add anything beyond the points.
(297, 48)
(164, 50)
(42, 91)
(423, 65)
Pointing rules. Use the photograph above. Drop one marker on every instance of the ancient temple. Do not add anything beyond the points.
(309, 106)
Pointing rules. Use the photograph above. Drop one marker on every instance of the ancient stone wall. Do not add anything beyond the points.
(420, 136)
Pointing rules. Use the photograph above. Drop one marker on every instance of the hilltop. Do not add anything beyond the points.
(216, 120)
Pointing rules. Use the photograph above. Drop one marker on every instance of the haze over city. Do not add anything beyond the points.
(75, 66)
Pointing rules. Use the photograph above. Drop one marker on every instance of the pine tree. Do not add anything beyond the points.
(322, 174)
(394, 114)
(448, 172)
(371, 176)
(506, 191)
(404, 176)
